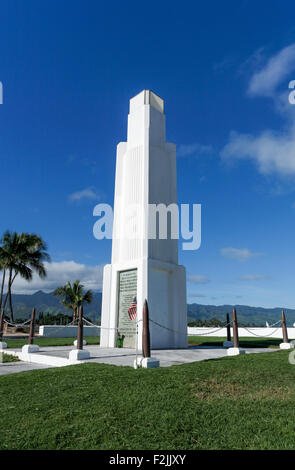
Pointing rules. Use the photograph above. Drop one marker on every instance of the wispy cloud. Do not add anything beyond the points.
(265, 81)
(273, 152)
(193, 150)
(254, 62)
(238, 254)
(58, 273)
(197, 279)
(253, 277)
(87, 193)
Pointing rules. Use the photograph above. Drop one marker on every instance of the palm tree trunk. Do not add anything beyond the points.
(10, 306)
(2, 286)
(7, 294)
(10, 281)
(5, 300)
(9, 297)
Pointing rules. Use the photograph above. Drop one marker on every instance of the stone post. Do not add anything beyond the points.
(146, 348)
(32, 327)
(228, 343)
(79, 354)
(235, 350)
(146, 361)
(284, 328)
(235, 329)
(285, 344)
(80, 329)
(31, 347)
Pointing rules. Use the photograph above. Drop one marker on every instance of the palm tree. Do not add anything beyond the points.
(73, 296)
(2, 268)
(21, 254)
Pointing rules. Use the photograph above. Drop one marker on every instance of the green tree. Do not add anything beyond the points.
(20, 254)
(73, 296)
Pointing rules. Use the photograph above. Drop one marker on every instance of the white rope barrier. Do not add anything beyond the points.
(261, 336)
(206, 333)
(195, 334)
(17, 324)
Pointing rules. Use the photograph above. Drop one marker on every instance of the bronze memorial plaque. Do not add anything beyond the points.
(127, 316)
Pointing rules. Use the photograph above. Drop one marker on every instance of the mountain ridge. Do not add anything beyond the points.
(48, 303)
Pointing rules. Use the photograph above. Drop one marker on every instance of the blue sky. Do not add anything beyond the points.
(68, 71)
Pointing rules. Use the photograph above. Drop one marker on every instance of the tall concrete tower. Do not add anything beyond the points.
(144, 266)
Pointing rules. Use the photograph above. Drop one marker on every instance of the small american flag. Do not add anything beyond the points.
(132, 310)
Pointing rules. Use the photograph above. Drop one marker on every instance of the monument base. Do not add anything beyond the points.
(3, 345)
(235, 351)
(166, 297)
(147, 362)
(228, 344)
(286, 346)
(79, 355)
(30, 348)
(76, 342)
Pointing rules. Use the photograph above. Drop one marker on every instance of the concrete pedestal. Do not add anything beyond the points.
(3, 345)
(147, 362)
(286, 346)
(150, 362)
(235, 351)
(79, 355)
(228, 344)
(30, 348)
(76, 342)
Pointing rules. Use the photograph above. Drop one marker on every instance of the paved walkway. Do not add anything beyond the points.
(119, 357)
(13, 367)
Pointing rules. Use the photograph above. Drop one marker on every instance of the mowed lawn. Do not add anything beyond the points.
(244, 402)
(244, 342)
(192, 340)
(19, 343)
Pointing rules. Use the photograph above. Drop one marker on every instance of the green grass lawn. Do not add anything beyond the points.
(18, 343)
(244, 402)
(192, 340)
(244, 342)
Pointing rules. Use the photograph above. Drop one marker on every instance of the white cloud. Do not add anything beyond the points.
(197, 279)
(193, 149)
(239, 254)
(254, 62)
(278, 67)
(60, 273)
(87, 193)
(253, 277)
(273, 152)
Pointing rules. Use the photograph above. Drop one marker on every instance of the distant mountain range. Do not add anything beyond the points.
(246, 315)
(47, 303)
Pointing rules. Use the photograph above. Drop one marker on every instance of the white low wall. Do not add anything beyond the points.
(56, 331)
(249, 332)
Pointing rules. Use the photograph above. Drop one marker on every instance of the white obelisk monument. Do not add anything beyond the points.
(144, 267)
